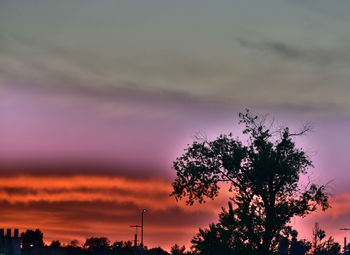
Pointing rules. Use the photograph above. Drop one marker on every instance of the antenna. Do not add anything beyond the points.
(135, 241)
(345, 248)
(135, 226)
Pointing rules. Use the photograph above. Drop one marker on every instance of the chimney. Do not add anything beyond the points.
(1, 232)
(8, 232)
(16, 232)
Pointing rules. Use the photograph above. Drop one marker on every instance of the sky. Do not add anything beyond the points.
(98, 98)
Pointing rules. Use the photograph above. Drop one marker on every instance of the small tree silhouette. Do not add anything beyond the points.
(97, 245)
(32, 239)
(318, 234)
(177, 250)
(327, 247)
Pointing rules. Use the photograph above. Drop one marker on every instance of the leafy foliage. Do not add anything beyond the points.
(97, 245)
(298, 247)
(263, 176)
(32, 239)
(177, 250)
(55, 244)
(318, 235)
(327, 247)
(125, 248)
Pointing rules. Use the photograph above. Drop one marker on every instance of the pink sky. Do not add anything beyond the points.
(73, 152)
(115, 90)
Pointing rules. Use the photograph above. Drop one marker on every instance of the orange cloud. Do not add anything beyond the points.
(67, 207)
(26, 189)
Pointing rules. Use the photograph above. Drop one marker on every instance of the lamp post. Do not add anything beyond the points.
(143, 211)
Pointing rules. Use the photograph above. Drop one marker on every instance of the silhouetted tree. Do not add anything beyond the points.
(73, 248)
(97, 245)
(224, 237)
(55, 244)
(177, 250)
(263, 177)
(212, 240)
(157, 251)
(318, 234)
(328, 247)
(298, 247)
(32, 239)
(74, 243)
(123, 248)
(283, 246)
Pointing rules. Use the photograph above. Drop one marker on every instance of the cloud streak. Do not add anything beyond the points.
(71, 207)
(312, 55)
(77, 206)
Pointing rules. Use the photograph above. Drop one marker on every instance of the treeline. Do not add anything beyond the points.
(217, 239)
(33, 244)
(211, 241)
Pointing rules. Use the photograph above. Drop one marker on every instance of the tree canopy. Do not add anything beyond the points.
(32, 239)
(97, 245)
(264, 177)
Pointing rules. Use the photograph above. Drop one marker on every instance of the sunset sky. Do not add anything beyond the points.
(97, 98)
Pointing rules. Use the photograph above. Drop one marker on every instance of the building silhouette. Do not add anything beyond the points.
(10, 245)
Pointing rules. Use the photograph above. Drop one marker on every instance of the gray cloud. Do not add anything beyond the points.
(63, 71)
(50, 68)
(337, 9)
(310, 55)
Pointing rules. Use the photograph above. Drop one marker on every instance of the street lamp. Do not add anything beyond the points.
(143, 211)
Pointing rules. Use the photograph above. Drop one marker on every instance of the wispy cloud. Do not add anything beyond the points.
(312, 55)
(337, 10)
(27, 189)
(73, 74)
(70, 207)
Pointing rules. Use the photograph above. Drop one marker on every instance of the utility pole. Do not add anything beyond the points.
(135, 241)
(345, 245)
(143, 211)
